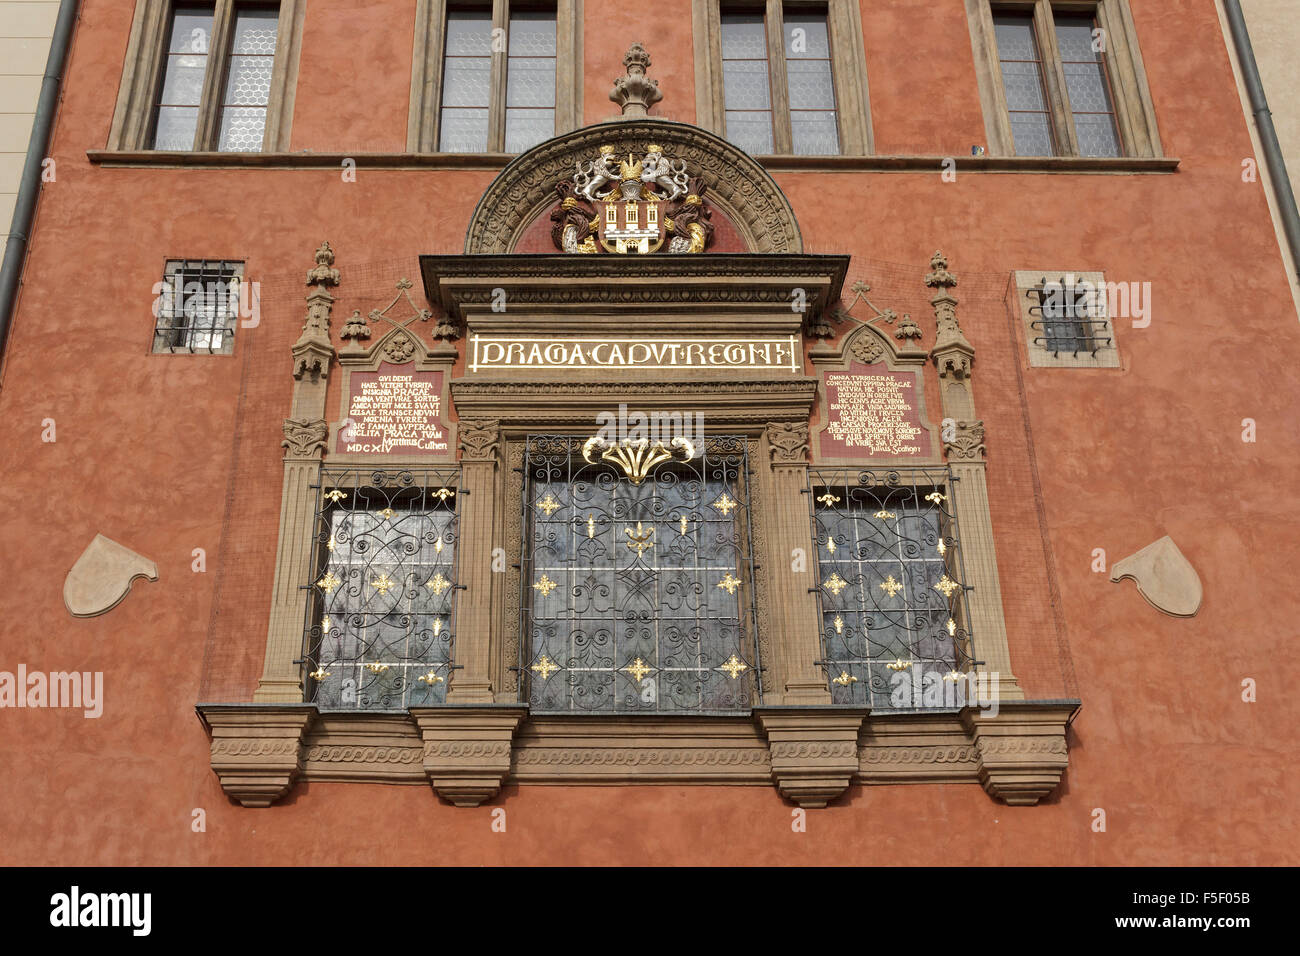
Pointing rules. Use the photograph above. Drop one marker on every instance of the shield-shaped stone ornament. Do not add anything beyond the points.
(1164, 578)
(102, 577)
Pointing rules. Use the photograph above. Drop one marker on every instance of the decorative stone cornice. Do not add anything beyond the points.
(479, 439)
(467, 749)
(304, 438)
(788, 442)
(967, 444)
(814, 750)
(738, 185)
(255, 750)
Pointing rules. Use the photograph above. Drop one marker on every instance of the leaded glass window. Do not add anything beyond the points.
(893, 607)
(763, 114)
(214, 88)
(1091, 108)
(1022, 81)
(475, 116)
(1059, 102)
(180, 94)
(638, 577)
(197, 305)
(381, 620)
(248, 81)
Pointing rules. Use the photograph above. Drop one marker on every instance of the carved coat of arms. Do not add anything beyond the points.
(626, 205)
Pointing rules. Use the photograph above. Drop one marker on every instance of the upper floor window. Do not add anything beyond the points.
(781, 78)
(1063, 79)
(209, 76)
(778, 85)
(216, 79)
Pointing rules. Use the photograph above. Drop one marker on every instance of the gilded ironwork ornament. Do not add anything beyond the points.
(830, 545)
(437, 584)
(835, 584)
(733, 667)
(882, 515)
(548, 505)
(640, 540)
(319, 674)
(383, 584)
(724, 504)
(545, 667)
(388, 514)
(375, 667)
(328, 582)
(828, 499)
(936, 497)
(839, 624)
(430, 678)
(845, 679)
(545, 585)
(326, 624)
(899, 665)
(946, 586)
(890, 586)
(729, 583)
(638, 669)
(335, 495)
(637, 456)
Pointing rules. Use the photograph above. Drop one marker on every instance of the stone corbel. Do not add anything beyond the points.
(256, 750)
(814, 750)
(1021, 750)
(467, 749)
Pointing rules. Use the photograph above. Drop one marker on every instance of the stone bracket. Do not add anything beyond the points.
(1022, 751)
(256, 749)
(467, 748)
(814, 750)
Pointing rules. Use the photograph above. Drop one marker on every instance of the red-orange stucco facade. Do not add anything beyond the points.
(1185, 769)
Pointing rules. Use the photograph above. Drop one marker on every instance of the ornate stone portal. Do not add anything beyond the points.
(637, 308)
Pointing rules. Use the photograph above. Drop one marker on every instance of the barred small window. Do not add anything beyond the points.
(381, 622)
(637, 576)
(196, 306)
(893, 606)
(1070, 315)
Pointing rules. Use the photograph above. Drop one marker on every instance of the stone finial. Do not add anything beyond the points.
(323, 273)
(940, 277)
(635, 92)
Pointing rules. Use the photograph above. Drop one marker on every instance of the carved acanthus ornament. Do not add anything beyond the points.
(479, 439)
(967, 444)
(788, 442)
(635, 92)
(304, 439)
(355, 328)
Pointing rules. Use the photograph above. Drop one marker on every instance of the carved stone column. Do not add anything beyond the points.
(305, 436)
(792, 621)
(954, 357)
(480, 440)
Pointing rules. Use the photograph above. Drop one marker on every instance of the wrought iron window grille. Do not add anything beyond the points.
(1071, 317)
(892, 600)
(380, 627)
(197, 306)
(637, 577)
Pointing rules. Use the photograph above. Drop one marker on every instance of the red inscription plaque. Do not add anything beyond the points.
(873, 413)
(396, 410)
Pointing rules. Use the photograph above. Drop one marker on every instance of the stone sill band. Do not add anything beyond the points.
(467, 752)
(498, 161)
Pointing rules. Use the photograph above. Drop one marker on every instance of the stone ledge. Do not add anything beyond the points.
(467, 752)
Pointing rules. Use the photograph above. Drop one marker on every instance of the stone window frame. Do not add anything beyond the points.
(173, 267)
(142, 73)
(1135, 116)
(848, 67)
(424, 116)
(1024, 281)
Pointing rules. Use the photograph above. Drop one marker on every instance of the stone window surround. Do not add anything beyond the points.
(1134, 111)
(848, 65)
(422, 125)
(172, 267)
(141, 74)
(470, 746)
(1107, 356)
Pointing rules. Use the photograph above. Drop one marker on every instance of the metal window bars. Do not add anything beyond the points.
(197, 306)
(1070, 316)
(893, 605)
(637, 576)
(380, 627)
